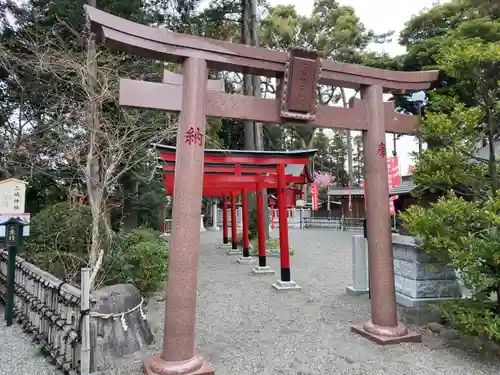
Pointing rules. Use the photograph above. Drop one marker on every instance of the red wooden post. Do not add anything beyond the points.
(286, 282)
(234, 233)
(261, 230)
(262, 268)
(283, 225)
(244, 202)
(225, 229)
(272, 216)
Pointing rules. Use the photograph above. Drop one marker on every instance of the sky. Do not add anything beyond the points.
(381, 16)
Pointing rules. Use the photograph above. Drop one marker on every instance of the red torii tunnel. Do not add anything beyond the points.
(229, 173)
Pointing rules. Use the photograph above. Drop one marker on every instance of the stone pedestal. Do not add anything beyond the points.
(202, 225)
(285, 286)
(262, 270)
(420, 281)
(245, 260)
(360, 282)
(227, 245)
(232, 251)
(155, 365)
(214, 217)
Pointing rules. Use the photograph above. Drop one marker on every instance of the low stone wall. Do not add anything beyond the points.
(420, 281)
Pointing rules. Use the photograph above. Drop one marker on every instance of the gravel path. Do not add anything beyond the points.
(246, 328)
(18, 354)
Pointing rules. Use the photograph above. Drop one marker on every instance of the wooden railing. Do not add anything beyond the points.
(54, 312)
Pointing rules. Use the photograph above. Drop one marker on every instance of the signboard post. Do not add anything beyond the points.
(314, 193)
(13, 239)
(300, 204)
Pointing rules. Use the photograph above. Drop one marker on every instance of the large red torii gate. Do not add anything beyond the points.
(234, 172)
(192, 94)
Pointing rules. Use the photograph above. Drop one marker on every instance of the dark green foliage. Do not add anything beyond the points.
(472, 317)
(252, 224)
(62, 227)
(60, 239)
(139, 258)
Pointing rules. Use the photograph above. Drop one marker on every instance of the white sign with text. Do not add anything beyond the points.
(12, 196)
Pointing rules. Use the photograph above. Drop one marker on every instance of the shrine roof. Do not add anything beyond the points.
(250, 163)
(244, 154)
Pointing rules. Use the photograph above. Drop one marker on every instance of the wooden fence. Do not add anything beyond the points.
(335, 223)
(55, 313)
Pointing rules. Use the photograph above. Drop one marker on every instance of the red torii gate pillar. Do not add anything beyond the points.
(245, 243)
(234, 227)
(262, 268)
(225, 226)
(285, 283)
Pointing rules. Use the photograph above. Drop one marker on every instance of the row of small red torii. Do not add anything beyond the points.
(228, 174)
(195, 97)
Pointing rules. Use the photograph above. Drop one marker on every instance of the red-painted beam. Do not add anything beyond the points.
(227, 169)
(240, 181)
(231, 159)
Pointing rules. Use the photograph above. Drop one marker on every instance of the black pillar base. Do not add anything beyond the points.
(234, 246)
(262, 261)
(225, 240)
(285, 274)
(246, 252)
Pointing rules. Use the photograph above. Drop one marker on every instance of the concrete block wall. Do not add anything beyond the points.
(418, 277)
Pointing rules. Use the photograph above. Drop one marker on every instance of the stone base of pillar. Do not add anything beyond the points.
(282, 286)
(195, 366)
(262, 270)
(353, 292)
(245, 260)
(386, 335)
(226, 245)
(232, 251)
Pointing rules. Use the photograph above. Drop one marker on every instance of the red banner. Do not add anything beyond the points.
(393, 179)
(393, 175)
(314, 193)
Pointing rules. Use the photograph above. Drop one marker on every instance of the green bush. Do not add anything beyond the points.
(252, 224)
(59, 241)
(61, 227)
(139, 258)
(472, 317)
(271, 243)
(465, 235)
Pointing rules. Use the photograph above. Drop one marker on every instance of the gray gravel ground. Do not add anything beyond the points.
(18, 355)
(246, 328)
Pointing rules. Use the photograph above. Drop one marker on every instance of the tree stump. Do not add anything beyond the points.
(117, 325)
